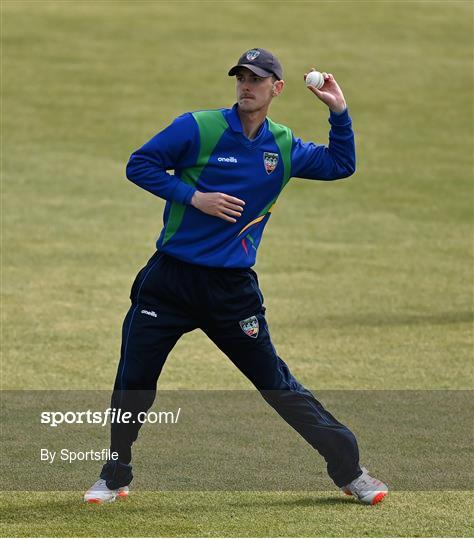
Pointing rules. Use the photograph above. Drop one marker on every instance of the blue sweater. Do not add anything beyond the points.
(209, 152)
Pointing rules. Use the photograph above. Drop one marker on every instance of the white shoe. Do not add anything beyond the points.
(367, 489)
(100, 493)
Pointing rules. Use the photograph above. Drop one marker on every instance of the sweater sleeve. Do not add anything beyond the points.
(176, 147)
(319, 162)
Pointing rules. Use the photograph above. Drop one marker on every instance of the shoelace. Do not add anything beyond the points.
(100, 484)
(366, 482)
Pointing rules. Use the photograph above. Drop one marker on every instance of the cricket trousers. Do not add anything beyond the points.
(171, 297)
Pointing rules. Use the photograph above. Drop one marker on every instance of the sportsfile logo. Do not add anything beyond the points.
(110, 415)
(230, 159)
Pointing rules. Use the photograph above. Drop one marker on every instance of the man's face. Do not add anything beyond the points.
(253, 92)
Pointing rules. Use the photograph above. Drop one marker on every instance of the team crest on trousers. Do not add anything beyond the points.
(270, 161)
(250, 326)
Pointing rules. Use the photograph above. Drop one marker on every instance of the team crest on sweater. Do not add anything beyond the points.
(250, 326)
(270, 161)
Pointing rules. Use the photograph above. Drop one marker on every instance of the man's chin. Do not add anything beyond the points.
(248, 106)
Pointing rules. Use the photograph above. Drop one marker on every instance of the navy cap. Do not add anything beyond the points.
(261, 62)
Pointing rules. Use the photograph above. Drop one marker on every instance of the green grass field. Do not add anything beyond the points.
(367, 282)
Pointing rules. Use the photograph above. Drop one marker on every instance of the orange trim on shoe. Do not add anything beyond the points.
(379, 497)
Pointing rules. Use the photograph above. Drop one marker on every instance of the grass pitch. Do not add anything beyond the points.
(367, 281)
(218, 514)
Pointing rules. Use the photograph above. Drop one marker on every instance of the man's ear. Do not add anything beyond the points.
(278, 88)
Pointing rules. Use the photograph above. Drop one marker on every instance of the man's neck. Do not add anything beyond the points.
(251, 121)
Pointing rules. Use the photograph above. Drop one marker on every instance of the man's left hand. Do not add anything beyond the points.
(330, 93)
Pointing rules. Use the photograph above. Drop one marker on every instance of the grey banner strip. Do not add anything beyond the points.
(233, 441)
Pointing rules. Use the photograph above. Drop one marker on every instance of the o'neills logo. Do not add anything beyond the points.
(150, 313)
(252, 54)
(230, 159)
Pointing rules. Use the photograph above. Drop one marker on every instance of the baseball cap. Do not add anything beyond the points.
(261, 62)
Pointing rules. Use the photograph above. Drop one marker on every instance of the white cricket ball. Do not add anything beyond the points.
(314, 78)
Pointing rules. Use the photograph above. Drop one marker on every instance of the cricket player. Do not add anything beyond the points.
(230, 167)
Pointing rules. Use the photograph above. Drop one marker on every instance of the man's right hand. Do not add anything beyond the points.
(330, 93)
(220, 205)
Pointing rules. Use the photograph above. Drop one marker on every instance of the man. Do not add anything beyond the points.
(230, 167)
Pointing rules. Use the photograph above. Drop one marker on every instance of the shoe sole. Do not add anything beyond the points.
(378, 498)
(120, 495)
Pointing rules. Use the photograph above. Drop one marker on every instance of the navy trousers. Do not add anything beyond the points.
(169, 298)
